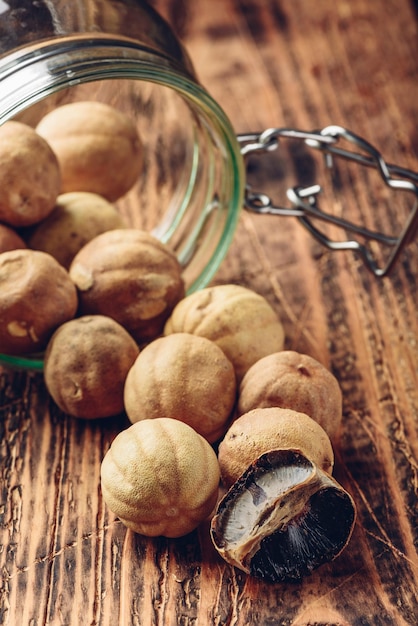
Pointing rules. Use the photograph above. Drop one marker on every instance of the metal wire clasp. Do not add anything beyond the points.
(304, 200)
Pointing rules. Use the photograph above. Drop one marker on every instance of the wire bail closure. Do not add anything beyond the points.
(304, 200)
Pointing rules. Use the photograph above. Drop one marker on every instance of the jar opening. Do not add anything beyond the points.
(190, 192)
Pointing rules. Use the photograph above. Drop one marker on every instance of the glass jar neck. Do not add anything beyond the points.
(48, 45)
(39, 70)
(23, 22)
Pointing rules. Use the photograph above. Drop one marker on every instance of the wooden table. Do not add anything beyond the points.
(64, 558)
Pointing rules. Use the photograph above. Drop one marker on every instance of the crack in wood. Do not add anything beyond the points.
(22, 569)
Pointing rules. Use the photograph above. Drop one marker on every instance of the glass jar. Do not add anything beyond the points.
(123, 53)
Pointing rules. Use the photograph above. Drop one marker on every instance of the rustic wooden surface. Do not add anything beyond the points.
(64, 558)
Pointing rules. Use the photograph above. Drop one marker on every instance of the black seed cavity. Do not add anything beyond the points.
(315, 537)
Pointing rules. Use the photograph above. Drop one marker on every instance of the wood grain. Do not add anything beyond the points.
(64, 559)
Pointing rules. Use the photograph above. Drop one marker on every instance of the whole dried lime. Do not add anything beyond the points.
(86, 363)
(184, 377)
(160, 477)
(240, 321)
(292, 380)
(97, 146)
(30, 176)
(36, 296)
(129, 275)
(77, 217)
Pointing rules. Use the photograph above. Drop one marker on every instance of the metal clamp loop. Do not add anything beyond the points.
(304, 200)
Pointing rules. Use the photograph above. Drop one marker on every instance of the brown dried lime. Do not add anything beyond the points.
(36, 296)
(77, 217)
(30, 176)
(86, 364)
(129, 275)
(261, 430)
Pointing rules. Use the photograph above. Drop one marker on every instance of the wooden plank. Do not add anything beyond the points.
(64, 558)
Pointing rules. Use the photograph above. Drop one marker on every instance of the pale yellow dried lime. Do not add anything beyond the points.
(160, 478)
(241, 322)
(97, 146)
(292, 380)
(184, 377)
